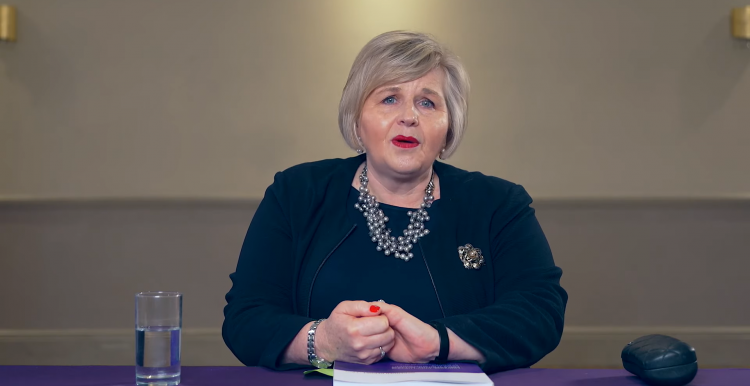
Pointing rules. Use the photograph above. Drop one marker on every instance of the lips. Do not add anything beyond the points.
(405, 142)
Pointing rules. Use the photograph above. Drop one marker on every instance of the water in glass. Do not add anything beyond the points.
(157, 356)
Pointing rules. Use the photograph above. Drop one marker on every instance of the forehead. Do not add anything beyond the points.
(433, 80)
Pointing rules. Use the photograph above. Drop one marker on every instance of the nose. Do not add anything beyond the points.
(409, 117)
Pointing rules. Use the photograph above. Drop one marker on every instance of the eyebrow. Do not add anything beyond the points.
(431, 92)
(390, 89)
(425, 90)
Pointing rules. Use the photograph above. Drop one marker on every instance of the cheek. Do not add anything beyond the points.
(441, 131)
(374, 125)
(443, 123)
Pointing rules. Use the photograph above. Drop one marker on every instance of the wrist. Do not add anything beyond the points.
(435, 347)
(296, 351)
(443, 342)
(321, 343)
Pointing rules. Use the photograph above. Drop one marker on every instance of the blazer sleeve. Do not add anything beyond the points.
(259, 320)
(525, 322)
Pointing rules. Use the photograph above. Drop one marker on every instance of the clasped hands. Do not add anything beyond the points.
(356, 330)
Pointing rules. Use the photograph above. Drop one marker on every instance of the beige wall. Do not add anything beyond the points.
(68, 272)
(576, 98)
(138, 103)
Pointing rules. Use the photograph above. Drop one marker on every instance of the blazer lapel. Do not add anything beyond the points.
(332, 226)
(459, 289)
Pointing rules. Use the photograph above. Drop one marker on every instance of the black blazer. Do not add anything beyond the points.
(512, 309)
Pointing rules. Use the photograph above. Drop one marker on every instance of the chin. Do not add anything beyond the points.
(407, 165)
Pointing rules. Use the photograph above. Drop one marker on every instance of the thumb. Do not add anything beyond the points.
(394, 313)
(360, 308)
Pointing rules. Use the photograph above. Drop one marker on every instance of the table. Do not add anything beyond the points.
(249, 376)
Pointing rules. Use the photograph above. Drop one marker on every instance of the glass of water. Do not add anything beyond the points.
(158, 325)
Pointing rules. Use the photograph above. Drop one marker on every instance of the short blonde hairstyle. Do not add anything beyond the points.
(398, 57)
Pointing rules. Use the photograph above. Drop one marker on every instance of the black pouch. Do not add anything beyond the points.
(660, 360)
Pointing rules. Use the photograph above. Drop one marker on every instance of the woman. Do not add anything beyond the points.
(392, 253)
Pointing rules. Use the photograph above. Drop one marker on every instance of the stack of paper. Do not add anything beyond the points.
(409, 374)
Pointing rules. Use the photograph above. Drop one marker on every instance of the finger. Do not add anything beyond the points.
(375, 341)
(394, 313)
(359, 308)
(369, 326)
(388, 346)
(374, 325)
(370, 356)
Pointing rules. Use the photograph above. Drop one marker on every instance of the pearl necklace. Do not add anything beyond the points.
(376, 220)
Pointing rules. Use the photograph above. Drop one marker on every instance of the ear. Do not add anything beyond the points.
(442, 149)
(360, 146)
(448, 136)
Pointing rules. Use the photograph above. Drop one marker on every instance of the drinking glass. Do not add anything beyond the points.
(158, 328)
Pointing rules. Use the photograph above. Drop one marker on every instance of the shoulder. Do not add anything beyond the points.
(314, 168)
(312, 178)
(484, 199)
(488, 203)
(474, 186)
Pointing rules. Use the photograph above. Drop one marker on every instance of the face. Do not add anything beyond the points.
(404, 126)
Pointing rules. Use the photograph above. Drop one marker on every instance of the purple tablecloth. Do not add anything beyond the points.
(249, 376)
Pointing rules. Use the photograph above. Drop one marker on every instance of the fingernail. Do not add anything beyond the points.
(374, 308)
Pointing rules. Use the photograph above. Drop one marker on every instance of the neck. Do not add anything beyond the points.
(406, 192)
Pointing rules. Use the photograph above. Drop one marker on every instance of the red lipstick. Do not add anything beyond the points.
(405, 142)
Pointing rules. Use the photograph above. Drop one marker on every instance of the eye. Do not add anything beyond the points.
(390, 100)
(426, 103)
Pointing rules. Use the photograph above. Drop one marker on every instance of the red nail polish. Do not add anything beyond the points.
(374, 308)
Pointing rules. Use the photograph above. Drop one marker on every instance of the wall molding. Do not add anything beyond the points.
(8, 334)
(238, 200)
(600, 346)
(581, 346)
(716, 331)
(75, 347)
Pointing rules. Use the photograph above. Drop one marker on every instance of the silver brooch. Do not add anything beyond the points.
(471, 257)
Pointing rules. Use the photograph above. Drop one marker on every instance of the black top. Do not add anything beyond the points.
(357, 271)
(512, 309)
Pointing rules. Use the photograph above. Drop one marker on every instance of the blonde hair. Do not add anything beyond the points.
(398, 57)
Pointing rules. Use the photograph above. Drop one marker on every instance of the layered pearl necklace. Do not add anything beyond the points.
(376, 220)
